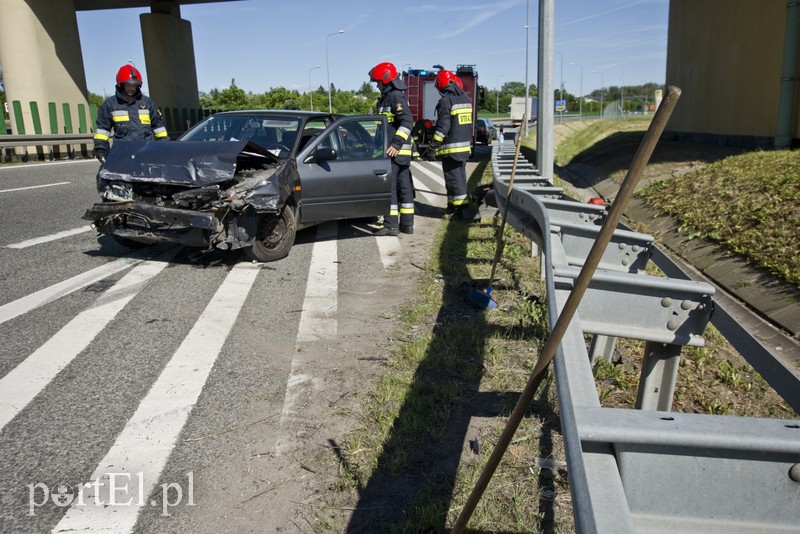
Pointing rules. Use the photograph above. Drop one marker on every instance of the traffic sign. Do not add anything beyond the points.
(561, 106)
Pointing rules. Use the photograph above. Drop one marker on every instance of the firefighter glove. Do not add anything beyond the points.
(100, 154)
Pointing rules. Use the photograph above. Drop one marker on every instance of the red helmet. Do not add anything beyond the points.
(129, 74)
(458, 81)
(383, 72)
(443, 79)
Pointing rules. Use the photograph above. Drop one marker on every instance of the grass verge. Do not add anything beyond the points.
(748, 203)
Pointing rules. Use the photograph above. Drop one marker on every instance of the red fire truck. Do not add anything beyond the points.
(423, 97)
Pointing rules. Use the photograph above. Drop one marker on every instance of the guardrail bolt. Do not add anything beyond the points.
(686, 305)
(666, 302)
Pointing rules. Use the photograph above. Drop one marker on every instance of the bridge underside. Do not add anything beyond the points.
(40, 53)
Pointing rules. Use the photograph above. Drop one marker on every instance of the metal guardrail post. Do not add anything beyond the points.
(602, 347)
(658, 377)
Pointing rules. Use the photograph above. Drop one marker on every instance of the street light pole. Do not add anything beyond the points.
(328, 68)
(527, 111)
(621, 96)
(310, 92)
(561, 85)
(580, 97)
(602, 85)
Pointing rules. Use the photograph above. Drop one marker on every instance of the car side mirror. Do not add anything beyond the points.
(321, 154)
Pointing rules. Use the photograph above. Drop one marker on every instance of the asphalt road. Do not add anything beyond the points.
(143, 392)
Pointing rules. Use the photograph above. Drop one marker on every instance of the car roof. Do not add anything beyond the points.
(278, 112)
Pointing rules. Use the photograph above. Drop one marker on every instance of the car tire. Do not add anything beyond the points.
(274, 236)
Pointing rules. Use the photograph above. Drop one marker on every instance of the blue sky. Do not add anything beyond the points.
(264, 44)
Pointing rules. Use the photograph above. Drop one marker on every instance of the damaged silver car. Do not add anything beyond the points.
(245, 180)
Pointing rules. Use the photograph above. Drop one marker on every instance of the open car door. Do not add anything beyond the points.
(344, 172)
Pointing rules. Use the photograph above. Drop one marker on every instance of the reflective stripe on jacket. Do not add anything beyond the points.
(138, 120)
(454, 124)
(394, 105)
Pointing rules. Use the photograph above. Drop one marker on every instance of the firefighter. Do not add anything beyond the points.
(393, 103)
(132, 115)
(452, 140)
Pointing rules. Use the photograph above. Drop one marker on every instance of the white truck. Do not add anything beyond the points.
(517, 108)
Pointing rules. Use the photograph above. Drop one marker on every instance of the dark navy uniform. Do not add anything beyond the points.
(452, 140)
(394, 105)
(138, 120)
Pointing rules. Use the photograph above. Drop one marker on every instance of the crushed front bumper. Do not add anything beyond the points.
(147, 223)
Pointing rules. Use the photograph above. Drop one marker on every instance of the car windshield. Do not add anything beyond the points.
(271, 132)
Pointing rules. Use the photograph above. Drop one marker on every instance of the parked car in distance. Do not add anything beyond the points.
(485, 131)
(245, 180)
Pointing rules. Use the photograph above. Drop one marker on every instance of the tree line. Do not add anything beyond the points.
(363, 100)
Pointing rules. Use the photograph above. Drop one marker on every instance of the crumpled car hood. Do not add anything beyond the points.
(192, 163)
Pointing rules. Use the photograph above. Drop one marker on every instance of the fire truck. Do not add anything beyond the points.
(423, 97)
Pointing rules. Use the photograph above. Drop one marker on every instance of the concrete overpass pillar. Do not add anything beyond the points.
(40, 55)
(169, 55)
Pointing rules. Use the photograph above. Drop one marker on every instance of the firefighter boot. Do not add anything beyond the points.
(467, 213)
(386, 230)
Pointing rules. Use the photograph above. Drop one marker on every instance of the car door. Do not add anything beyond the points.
(344, 172)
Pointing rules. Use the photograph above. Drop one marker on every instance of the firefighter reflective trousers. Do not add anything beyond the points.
(455, 181)
(402, 203)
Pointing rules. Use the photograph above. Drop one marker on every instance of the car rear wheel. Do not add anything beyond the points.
(274, 237)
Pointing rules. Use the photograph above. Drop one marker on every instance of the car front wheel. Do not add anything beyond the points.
(274, 237)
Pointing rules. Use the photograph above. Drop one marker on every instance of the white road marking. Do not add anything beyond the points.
(389, 248)
(37, 165)
(318, 320)
(140, 452)
(52, 237)
(31, 187)
(30, 377)
(431, 200)
(49, 294)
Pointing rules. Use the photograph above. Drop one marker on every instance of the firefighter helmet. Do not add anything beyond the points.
(383, 72)
(458, 81)
(129, 74)
(443, 79)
